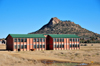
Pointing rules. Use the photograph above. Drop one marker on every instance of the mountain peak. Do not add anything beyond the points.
(53, 21)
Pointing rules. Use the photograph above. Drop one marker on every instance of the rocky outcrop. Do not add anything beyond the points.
(56, 26)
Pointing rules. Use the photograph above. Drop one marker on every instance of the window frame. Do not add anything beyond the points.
(62, 39)
(18, 39)
(43, 45)
(40, 46)
(40, 40)
(25, 40)
(25, 46)
(21, 39)
(43, 40)
(22, 46)
(37, 45)
(15, 46)
(62, 45)
(15, 40)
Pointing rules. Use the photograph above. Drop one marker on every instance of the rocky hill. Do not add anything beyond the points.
(56, 26)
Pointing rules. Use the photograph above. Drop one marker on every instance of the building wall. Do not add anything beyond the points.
(49, 43)
(29, 44)
(66, 44)
(9, 43)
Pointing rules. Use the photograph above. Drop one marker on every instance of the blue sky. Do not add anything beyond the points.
(25, 16)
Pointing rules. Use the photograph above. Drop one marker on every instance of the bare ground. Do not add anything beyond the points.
(32, 58)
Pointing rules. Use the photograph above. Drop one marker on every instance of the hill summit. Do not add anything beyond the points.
(56, 26)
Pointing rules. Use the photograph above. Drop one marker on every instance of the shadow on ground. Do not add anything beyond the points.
(3, 50)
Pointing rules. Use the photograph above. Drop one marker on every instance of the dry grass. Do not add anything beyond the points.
(32, 58)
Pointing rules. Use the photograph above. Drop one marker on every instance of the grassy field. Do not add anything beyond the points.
(87, 54)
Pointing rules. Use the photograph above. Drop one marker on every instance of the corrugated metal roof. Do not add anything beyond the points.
(63, 36)
(27, 35)
(42, 35)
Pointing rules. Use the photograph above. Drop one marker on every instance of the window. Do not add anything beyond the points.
(34, 39)
(37, 46)
(21, 40)
(78, 45)
(18, 40)
(40, 46)
(57, 40)
(25, 40)
(34, 46)
(40, 39)
(62, 45)
(70, 39)
(18, 46)
(37, 40)
(54, 40)
(43, 40)
(78, 40)
(21, 46)
(43, 46)
(62, 39)
(73, 39)
(25, 46)
(15, 40)
(54, 45)
(57, 46)
(70, 45)
(15, 46)
(73, 45)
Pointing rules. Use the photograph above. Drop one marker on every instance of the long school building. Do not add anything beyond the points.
(26, 42)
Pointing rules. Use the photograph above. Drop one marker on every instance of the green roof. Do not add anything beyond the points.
(42, 35)
(63, 36)
(27, 35)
